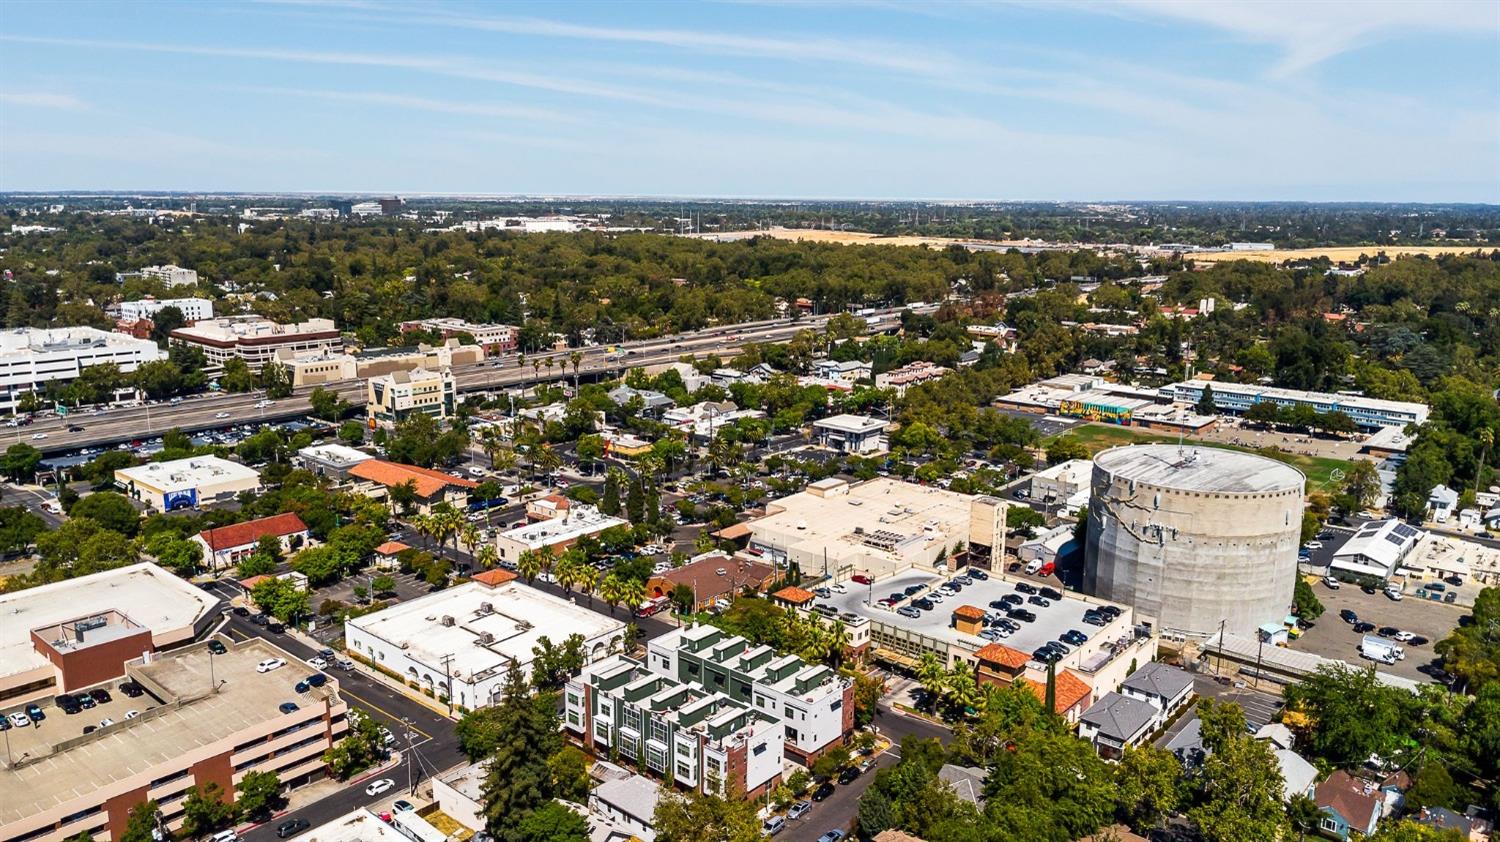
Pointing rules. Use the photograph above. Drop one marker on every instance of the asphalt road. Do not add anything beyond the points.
(124, 424)
(434, 744)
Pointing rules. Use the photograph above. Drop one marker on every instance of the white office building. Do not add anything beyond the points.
(459, 643)
(859, 434)
(172, 276)
(31, 358)
(1376, 549)
(256, 339)
(192, 309)
(555, 534)
(190, 483)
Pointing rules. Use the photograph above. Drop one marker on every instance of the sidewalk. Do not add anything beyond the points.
(302, 796)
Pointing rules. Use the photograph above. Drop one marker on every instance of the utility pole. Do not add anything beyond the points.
(1220, 664)
(448, 679)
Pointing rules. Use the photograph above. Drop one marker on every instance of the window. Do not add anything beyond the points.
(1329, 824)
(837, 703)
(759, 750)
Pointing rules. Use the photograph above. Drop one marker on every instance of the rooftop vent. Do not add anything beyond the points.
(447, 620)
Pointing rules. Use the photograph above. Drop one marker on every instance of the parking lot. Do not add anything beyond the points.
(57, 726)
(1331, 637)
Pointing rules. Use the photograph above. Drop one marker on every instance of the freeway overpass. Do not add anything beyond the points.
(202, 412)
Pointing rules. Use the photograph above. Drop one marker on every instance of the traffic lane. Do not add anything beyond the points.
(841, 809)
(32, 499)
(340, 803)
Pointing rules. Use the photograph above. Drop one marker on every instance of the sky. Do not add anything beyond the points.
(1023, 100)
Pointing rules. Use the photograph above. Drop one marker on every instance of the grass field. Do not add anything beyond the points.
(1097, 437)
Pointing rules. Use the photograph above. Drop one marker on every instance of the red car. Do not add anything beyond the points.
(860, 578)
(1047, 569)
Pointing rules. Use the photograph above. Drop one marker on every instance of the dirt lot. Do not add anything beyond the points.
(1335, 253)
(1333, 638)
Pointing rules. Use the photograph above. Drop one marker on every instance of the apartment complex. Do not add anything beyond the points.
(143, 605)
(496, 339)
(913, 374)
(713, 711)
(203, 718)
(459, 643)
(32, 358)
(192, 309)
(392, 398)
(187, 483)
(1237, 398)
(256, 339)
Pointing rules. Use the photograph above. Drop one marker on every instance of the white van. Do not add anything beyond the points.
(224, 836)
(1033, 566)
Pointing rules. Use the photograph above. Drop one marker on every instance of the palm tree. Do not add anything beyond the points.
(838, 641)
(550, 363)
(588, 581)
(503, 459)
(546, 458)
(423, 525)
(568, 569)
(487, 556)
(531, 563)
(576, 358)
(633, 593)
(403, 495)
(962, 691)
(932, 676)
(469, 534)
(612, 589)
(536, 370)
(1486, 438)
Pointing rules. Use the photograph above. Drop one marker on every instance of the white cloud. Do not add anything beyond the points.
(1308, 33)
(37, 99)
(419, 103)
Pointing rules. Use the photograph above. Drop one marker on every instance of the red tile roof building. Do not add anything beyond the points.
(226, 545)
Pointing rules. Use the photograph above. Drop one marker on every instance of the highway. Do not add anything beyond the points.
(208, 411)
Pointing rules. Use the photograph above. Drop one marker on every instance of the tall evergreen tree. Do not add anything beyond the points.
(610, 505)
(518, 780)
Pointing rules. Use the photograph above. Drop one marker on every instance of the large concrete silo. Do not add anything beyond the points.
(1192, 536)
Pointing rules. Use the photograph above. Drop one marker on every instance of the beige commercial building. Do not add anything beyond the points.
(256, 339)
(203, 718)
(392, 398)
(311, 368)
(874, 528)
(190, 483)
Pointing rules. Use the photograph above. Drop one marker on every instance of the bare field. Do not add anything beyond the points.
(1334, 253)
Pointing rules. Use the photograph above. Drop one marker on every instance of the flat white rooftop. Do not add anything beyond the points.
(358, 826)
(182, 474)
(147, 594)
(1208, 469)
(517, 618)
(334, 454)
(851, 423)
(581, 520)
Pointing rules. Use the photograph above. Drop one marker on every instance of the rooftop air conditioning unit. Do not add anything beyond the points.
(486, 608)
(447, 620)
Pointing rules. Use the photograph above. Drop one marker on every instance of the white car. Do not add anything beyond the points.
(20, 720)
(839, 588)
(318, 664)
(263, 404)
(106, 722)
(38, 436)
(1332, 583)
(380, 786)
(221, 415)
(1405, 636)
(132, 714)
(1314, 545)
(270, 664)
(476, 472)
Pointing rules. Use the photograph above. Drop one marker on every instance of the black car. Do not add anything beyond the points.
(1348, 616)
(84, 700)
(1057, 646)
(1110, 611)
(67, 704)
(1074, 636)
(1363, 628)
(1023, 587)
(101, 695)
(288, 707)
(1417, 641)
(976, 573)
(1045, 655)
(260, 619)
(848, 775)
(240, 611)
(89, 729)
(131, 689)
(895, 597)
(1012, 599)
(1039, 601)
(317, 679)
(34, 711)
(1388, 631)
(924, 603)
(823, 791)
(1051, 593)
(216, 647)
(914, 589)
(291, 827)
(275, 628)
(1021, 614)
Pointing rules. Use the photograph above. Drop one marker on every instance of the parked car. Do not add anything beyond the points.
(1051, 593)
(381, 786)
(270, 664)
(1331, 583)
(291, 827)
(131, 689)
(318, 663)
(848, 775)
(834, 835)
(217, 647)
(1021, 614)
(288, 707)
(976, 573)
(1348, 615)
(101, 695)
(1025, 587)
(35, 713)
(908, 611)
(20, 720)
(1363, 627)
(799, 810)
(403, 806)
(823, 791)
(1039, 601)
(772, 826)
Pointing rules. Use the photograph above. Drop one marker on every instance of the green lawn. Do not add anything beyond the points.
(1097, 437)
